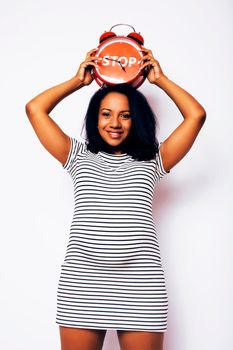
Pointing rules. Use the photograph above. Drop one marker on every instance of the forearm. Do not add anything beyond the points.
(49, 98)
(186, 103)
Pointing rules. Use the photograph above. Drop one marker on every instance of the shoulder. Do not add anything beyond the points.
(78, 146)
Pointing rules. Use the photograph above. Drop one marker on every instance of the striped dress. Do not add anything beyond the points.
(112, 276)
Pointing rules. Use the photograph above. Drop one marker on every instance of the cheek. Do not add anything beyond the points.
(102, 122)
(128, 124)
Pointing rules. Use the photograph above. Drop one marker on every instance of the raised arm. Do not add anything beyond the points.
(177, 145)
(49, 133)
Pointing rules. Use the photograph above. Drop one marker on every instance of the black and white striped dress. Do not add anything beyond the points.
(112, 276)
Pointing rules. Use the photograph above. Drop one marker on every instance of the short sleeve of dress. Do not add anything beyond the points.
(76, 147)
(160, 172)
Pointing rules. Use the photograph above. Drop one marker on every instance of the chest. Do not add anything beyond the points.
(117, 176)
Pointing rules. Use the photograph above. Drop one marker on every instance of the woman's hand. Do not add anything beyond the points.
(84, 72)
(154, 70)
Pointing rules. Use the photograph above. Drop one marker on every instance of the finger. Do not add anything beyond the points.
(84, 67)
(151, 62)
(146, 57)
(148, 63)
(95, 61)
(89, 63)
(143, 48)
(93, 58)
(91, 52)
(81, 73)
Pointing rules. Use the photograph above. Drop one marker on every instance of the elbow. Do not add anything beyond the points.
(201, 115)
(30, 109)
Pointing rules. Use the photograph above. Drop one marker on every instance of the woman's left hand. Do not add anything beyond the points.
(154, 70)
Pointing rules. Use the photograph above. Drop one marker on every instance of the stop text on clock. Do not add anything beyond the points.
(108, 60)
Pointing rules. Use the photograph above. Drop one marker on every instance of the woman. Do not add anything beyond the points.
(112, 276)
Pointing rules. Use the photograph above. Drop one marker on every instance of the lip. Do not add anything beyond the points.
(115, 135)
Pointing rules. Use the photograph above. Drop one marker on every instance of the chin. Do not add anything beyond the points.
(114, 143)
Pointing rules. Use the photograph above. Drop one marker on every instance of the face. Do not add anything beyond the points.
(114, 120)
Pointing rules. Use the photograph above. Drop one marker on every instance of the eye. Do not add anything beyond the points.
(125, 116)
(106, 114)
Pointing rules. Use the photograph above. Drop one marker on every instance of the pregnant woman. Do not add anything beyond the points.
(112, 276)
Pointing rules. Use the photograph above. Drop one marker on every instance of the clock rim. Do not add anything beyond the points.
(113, 40)
(136, 84)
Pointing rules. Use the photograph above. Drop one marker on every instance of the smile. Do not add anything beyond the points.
(114, 135)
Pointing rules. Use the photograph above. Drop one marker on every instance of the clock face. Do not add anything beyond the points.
(120, 56)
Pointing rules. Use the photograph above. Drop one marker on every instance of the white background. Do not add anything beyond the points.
(42, 45)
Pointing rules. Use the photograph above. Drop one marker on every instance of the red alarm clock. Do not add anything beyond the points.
(120, 59)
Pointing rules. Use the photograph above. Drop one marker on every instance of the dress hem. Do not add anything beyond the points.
(113, 328)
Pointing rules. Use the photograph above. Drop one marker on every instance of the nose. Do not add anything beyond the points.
(115, 122)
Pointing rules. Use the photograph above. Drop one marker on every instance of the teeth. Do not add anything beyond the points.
(114, 134)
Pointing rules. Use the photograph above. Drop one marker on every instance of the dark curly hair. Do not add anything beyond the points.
(141, 143)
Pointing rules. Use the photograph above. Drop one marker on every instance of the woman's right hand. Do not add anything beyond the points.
(84, 72)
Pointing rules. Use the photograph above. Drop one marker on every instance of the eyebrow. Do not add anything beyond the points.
(127, 110)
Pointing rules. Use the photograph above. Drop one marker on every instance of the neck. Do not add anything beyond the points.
(117, 152)
(112, 149)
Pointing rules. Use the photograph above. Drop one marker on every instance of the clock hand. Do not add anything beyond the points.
(121, 66)
(112, 59)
